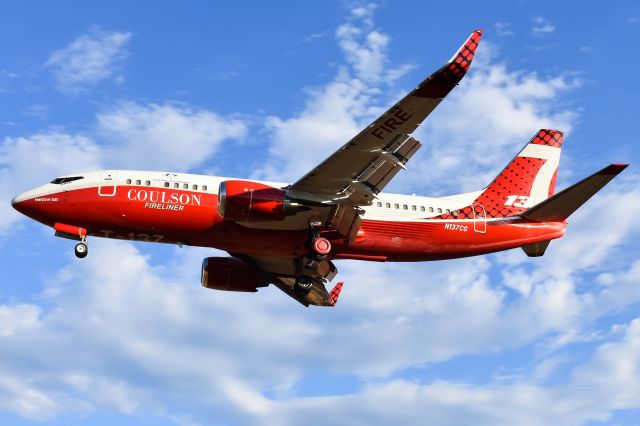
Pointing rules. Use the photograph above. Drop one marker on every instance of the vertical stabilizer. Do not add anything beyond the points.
(528, 179)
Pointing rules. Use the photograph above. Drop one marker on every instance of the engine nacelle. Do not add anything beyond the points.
(246, 201)
(230, 274)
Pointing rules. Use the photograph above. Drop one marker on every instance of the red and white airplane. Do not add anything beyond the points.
(289, 234)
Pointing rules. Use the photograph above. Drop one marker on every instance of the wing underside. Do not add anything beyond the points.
(284, 270)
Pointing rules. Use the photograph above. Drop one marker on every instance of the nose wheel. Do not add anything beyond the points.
(82, 249)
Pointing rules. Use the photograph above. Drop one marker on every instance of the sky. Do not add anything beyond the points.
(266, 90)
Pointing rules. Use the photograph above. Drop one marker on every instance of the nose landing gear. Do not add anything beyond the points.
(73, 233)
(82, 249)
(319, 247)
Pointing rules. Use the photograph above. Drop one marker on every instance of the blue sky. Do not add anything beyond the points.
(253, 89)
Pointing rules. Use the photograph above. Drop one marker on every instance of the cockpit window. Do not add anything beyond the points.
(63, 180)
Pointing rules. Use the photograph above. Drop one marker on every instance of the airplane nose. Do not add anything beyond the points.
(18, 202)
(15, 201)
(38, 204)
(26, 203)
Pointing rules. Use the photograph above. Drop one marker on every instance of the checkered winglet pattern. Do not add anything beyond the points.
(439, 84)
(335, 293)
(549, 138)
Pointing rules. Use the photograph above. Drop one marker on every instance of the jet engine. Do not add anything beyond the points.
(247, 201)
(231, 274)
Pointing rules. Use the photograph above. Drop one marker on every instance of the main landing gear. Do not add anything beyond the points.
(319, 248)
(82, 249)
(303, 285)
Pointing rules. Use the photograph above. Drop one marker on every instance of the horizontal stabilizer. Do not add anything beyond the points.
(564, 203)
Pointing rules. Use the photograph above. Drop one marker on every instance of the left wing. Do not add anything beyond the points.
(284, 270)
(358, 171)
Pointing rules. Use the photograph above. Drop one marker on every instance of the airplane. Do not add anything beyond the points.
(290, 234)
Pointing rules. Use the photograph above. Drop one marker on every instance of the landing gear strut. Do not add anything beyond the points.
(82, 249)
(319, 246)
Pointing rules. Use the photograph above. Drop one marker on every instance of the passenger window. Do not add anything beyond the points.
(430, 209)
(176, 185)
(378, 204)
(147, 182)
(421, 208)
(396, 206)
(448, 211)
(166, 184)
(204, 187)
(128, 181)
(405, 207)
(138, 181)
(195, 187)
(413, 208)
(387, 205)
(439, 210)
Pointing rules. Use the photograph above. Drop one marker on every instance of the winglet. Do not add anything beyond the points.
(440, 83)
(335, 293)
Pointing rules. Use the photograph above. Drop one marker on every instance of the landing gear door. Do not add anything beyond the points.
(108, 184)
(480, 219)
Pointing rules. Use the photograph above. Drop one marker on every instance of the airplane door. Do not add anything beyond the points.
(108, 184)
(480, 219)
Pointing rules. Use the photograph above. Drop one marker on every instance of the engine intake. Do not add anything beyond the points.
(231, 274)
(247, 201)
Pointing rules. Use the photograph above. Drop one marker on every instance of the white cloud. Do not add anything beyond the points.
(607, 381)
(542, 26)
(89, 59)
(503, 29)
(337, 111)
(314, 36)
(483, 123)
(163, 136)
(139, 342)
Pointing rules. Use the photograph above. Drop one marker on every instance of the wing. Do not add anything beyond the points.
(359, 170)
(283, 270)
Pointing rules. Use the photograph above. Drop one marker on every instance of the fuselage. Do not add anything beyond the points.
(182, 208)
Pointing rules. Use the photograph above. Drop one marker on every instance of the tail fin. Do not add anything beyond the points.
(563, 204)
(529, 179)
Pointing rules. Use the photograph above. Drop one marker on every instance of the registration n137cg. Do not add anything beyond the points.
(290, 234)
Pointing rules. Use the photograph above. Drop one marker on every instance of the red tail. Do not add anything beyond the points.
(529, 179)
(526, 181)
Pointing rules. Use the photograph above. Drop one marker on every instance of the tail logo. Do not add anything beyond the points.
(523, 201)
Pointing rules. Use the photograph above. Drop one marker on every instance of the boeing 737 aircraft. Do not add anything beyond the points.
(289, 234)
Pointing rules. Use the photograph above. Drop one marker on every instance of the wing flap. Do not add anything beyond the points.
(282, 272)
(318, 296)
